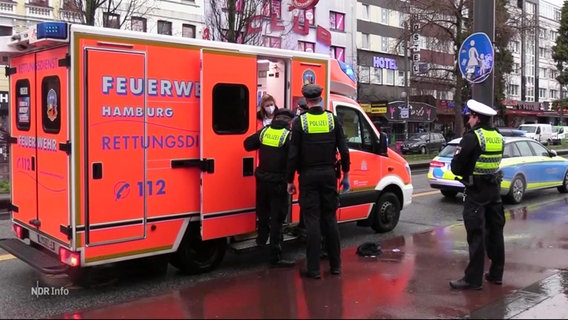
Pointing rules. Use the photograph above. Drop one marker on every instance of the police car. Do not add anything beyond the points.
(527, 165)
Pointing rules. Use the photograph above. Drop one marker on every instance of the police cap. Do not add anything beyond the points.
(311, 91)
(284, 113)
(302, 104)
(480, 108)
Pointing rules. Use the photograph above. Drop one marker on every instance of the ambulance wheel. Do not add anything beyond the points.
(93, 277)
(517, 190)
(449, 193)
(386, 213)
(197, 256)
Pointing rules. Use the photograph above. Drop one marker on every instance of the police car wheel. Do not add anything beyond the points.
(198, 256)
(386, 213)
(564, 187)
(449, 193)
(517, 190)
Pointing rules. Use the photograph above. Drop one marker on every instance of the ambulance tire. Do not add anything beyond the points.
(94, 277)
(386, 213)
(195, 256)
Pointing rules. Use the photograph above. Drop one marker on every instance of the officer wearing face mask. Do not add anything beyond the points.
(266, 111)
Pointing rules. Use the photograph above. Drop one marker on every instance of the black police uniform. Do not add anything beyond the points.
(483, 214)
(313, 155)
(272, 199)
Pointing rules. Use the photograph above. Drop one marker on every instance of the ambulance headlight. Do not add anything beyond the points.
(52, 29)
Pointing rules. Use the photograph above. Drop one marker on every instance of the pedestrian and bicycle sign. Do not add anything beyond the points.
(476, 58)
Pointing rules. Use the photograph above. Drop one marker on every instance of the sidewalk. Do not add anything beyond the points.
(408, 280)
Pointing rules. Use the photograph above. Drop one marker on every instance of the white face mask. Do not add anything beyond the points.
(269, 110)
(298, 112)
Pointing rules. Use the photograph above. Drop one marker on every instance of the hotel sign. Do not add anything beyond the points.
(384, 63)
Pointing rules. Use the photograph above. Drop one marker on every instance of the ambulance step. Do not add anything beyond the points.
(251, 243)
(36, 258)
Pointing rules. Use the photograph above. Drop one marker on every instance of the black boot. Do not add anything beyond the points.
(276, 260)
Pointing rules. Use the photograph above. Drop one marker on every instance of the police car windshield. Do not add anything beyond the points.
(529, 129)
(448, 151)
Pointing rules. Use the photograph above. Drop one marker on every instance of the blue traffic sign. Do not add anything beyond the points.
(476, 58)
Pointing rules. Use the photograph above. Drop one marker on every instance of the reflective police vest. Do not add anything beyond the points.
(317, 123)
(491, 143)
(273, 137)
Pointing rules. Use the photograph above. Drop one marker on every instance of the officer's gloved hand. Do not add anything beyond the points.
(345, 186)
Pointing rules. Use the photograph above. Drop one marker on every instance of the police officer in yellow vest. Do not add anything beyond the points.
(477, 160)
(317, 135)
(272, 199)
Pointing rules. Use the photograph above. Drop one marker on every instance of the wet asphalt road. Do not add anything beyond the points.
(429, 216)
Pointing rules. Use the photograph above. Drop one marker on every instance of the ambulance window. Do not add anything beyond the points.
(356, 129)
(23, 107)
(51, 104)
(230, 108)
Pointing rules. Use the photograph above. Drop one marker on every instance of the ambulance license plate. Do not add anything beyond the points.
(46, 242)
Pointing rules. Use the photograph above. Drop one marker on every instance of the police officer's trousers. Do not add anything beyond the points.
(318, 198)
(272, 203)
(484, 226)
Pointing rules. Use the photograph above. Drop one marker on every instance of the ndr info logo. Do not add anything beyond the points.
(49, 291)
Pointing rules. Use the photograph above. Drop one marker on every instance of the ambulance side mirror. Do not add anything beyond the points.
(381, 145)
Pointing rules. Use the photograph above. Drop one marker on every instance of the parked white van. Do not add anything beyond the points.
(541, 132)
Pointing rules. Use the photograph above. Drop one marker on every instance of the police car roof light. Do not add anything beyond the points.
(52, 30)
(348, 70)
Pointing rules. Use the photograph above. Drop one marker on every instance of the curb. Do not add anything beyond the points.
(426, 163)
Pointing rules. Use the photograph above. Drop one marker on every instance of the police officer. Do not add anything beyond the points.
(316, 136)
(272, 199)
(477, 160)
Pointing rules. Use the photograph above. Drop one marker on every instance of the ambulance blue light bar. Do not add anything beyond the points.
(52, 30)
(348, 70)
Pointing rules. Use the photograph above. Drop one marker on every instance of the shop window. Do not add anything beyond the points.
(51, 104)
(23, 105)
(230, 108)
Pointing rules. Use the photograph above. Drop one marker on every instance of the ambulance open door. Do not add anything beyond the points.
(228, 112)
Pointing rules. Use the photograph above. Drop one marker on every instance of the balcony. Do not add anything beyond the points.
(8, 6)
(73, 15)
(39, 8)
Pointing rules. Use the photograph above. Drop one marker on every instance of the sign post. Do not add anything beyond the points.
(484, 21)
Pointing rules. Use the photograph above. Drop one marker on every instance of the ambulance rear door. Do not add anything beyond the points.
(115, 139)
(41, 156)
(228, 109)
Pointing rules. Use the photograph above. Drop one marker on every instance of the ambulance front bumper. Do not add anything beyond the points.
(407, 195)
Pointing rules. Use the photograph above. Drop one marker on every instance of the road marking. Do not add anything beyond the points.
(6, 257)
(427, 193)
